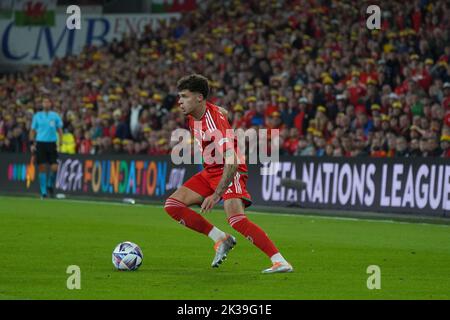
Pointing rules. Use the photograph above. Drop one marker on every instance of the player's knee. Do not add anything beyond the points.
(234, 206)
(173, 208)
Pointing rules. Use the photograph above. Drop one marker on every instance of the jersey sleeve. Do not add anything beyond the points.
(59, 123)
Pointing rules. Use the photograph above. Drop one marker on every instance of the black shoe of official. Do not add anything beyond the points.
(44, 196)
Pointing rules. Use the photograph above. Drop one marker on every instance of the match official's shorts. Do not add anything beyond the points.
(46, 152)
(205, 183)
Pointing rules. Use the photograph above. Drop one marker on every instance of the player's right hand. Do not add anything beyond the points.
(209, 203)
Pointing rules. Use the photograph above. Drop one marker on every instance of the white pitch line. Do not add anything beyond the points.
(345, 218)
(99, 202)
(104, 203)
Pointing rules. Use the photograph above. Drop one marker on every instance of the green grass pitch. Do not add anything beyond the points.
(40, 239)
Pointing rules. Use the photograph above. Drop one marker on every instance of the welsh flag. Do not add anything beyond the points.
(34, 12)
(169, 6)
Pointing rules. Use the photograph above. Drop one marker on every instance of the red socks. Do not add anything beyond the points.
(191, 219)
(253, 233)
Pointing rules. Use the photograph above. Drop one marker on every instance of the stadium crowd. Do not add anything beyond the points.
(309, 68)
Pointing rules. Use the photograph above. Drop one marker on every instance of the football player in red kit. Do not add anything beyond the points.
(225, 179)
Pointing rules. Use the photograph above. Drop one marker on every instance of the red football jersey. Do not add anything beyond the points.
(214, 126)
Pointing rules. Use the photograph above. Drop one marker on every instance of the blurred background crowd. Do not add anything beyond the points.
(309, 68)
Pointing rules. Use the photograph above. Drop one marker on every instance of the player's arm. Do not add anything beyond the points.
(229, 155)
(229, 171)
(32, 136)
(60, 136)
(59, 125)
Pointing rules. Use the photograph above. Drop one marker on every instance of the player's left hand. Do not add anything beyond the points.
(33, 148)
(209, 203)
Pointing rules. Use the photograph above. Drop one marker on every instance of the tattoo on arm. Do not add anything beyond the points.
(229, 170)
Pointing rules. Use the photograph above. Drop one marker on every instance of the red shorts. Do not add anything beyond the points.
(205, 183)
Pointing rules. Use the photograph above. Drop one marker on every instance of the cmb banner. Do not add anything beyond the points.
(403, 185)
(24, 45)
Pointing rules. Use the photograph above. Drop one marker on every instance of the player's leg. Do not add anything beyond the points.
(42, 168)
(235, 200)
(177, 206)
(53, 161)
(234, 208)
(41, 159)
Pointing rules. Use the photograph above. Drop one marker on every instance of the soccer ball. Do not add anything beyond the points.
(127, 256)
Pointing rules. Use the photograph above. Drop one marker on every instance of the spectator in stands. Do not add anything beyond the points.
(401, 147)
(305, 148)
(445, 146)
(68, 141)
(414, 148)
(289, 59)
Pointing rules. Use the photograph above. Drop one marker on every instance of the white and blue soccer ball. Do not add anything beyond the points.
(127, 256)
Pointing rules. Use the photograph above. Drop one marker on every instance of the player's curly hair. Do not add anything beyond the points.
(194, 83)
